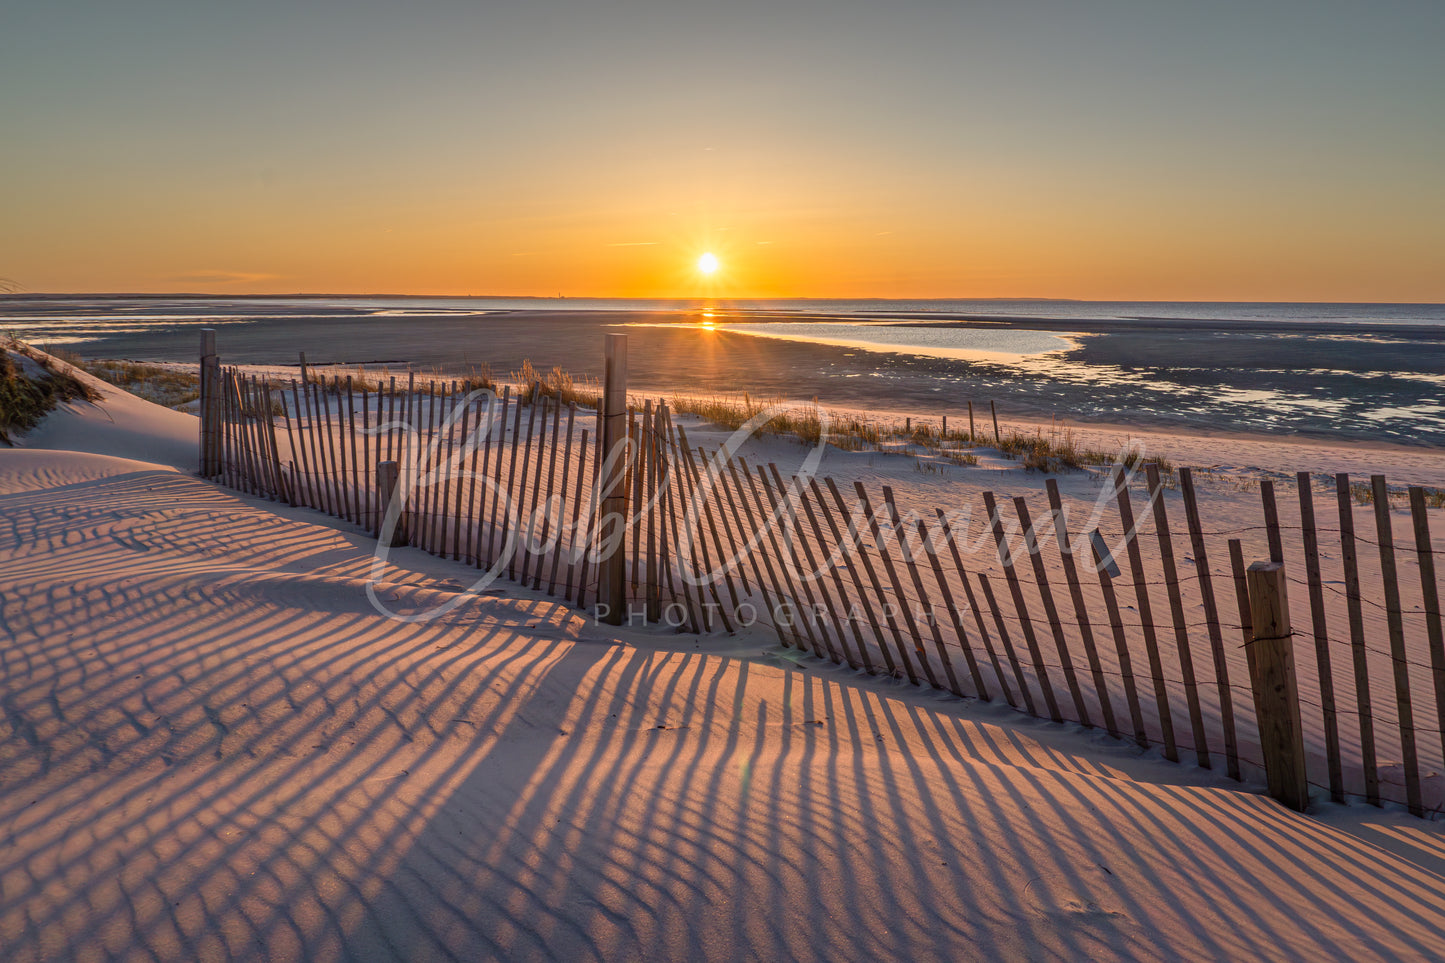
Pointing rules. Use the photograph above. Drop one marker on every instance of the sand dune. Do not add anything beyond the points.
(214, 747)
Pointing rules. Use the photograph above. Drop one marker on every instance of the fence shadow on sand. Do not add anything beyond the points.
(214, 747)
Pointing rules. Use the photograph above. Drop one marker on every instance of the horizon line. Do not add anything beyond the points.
(589, 297)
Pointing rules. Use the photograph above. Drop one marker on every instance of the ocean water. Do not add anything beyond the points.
(1350, 371)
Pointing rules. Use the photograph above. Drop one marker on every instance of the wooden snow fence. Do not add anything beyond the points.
(1131, 614)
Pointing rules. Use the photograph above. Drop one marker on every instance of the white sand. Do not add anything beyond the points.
(212, 746)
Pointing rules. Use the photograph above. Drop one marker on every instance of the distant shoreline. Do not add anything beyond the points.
(1359, 377)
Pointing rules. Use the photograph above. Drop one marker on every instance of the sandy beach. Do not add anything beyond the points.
(215, 747)
(717, 482)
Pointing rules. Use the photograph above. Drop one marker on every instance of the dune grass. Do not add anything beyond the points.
(1364, 494)
(806, 423)
(1051, 453)
(163, 386)
(556, 384)
(31, 385)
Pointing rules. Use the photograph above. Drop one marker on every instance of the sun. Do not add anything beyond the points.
(708, 263)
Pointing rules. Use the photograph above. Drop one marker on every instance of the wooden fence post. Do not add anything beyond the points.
(210, 407)
(386, 478)
(611, 569)
(1394, 614)
(993, 409)
(1276, 698)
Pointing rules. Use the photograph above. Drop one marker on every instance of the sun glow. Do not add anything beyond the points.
(708, 263)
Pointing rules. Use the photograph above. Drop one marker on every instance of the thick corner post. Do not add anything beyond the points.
(611, 575)
(1276, 696)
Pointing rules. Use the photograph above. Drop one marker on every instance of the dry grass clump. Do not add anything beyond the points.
(851, 433)
(252, 408)
(1053, 452)
(360, 381)
(1048, 454)
(1364, 494)
(31, 385)
(804, 422)
(434, 382)
(960, 457)
(163, 386)
(556, 384)
(478, 378)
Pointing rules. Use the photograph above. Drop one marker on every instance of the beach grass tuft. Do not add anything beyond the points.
(163, 386)
(32, 383)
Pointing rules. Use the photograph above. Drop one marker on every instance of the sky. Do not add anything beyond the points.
(1094, 149)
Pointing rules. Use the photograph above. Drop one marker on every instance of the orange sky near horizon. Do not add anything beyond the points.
(817, 150)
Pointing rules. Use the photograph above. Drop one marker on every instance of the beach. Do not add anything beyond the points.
(658, 481)
(216, 746)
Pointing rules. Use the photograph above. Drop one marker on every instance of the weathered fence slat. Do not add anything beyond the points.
(698, 523)
(697, 538)
(299, 448)
(788, 493)
(1146, 613)
(948, 538)
(1051, 612)
(1081, 612)
(573, 578)
(840, 613)
(528, 487)
(1431, 597)
(1176, 611)
(738, 503)
(634, 485)
(509, 509)
(672, 499)
(492, 490)
(283, 487)
(845, 549)
(1350, 562)
(461, 505)
(1271, 521)
(298, 495)
(930, 550)
(1211, 621)
(543, 509)
(901, 646)
(1321, 636)
(899, 592)
(1395, 620)
(855, 542)
(1007, 643)
(705, 493)
(1121, 642)
(787, 589)
(651, 590)
(1026, 622)
(338, 480)
(900, 532)
(1246, 620)
(789, 533)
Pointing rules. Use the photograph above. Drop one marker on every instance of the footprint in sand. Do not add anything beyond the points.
(1088, 894)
